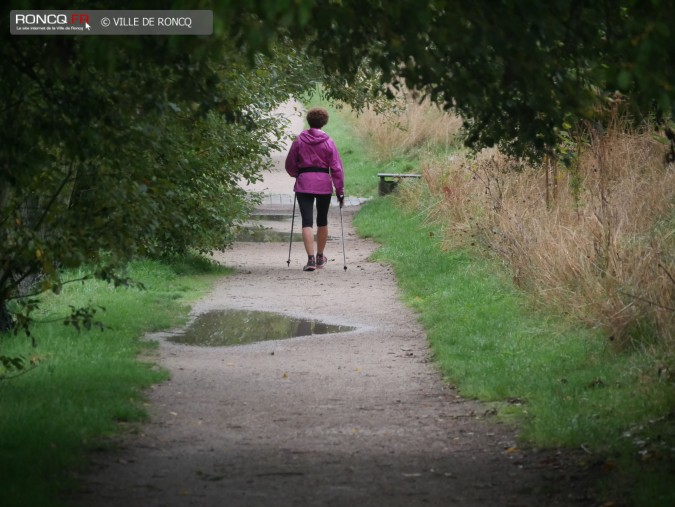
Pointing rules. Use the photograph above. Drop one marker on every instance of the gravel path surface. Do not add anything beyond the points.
(356, 418)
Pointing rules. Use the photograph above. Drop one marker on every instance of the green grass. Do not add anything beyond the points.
(86, 386)
(573, 389)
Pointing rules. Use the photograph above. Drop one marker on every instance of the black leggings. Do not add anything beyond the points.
(306, 202)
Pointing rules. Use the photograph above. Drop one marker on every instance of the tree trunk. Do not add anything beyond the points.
(6, 320)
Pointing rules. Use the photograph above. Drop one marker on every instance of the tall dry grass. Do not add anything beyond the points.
(596, 241)
(406, 127)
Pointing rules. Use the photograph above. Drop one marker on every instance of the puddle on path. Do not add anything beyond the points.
(265, 235)
(238, 327)
(270, 217)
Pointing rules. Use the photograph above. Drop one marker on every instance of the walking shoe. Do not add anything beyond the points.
(321, 261)
(311, 264)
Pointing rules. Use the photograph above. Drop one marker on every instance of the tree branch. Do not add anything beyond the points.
(667, 273)
(88, 277)
(646, 301)
(55, 195)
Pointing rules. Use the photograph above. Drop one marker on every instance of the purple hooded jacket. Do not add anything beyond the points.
(314, 148)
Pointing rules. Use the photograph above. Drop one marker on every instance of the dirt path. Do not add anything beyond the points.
(357, 418)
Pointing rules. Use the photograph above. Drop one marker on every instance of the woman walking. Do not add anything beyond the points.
(314, 162)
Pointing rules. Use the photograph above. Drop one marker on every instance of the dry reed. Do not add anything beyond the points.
(406, 127)
(603, 254)
(595, 241)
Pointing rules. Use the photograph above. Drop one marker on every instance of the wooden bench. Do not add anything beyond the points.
(388, 181)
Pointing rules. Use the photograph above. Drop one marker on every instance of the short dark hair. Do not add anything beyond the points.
(317, 117)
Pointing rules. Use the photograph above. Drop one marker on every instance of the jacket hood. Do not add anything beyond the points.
(313, 136)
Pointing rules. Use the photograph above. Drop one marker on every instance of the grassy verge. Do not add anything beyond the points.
(86, 386)
(566, 387)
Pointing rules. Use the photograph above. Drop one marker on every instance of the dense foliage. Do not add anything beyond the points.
(517, 70)
(114, 147)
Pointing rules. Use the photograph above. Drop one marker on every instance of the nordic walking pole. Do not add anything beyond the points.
(290, 241)
(344, 257)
